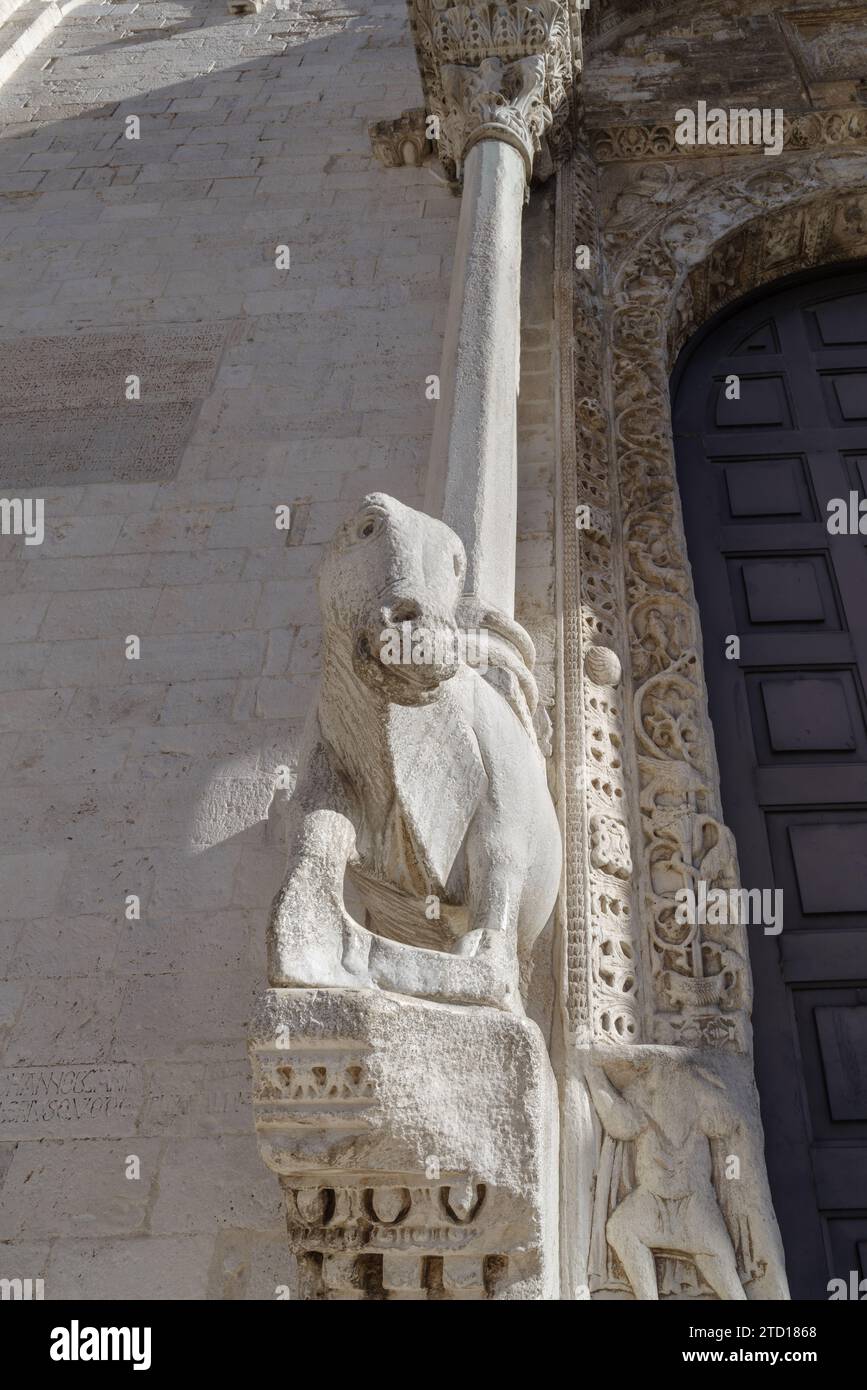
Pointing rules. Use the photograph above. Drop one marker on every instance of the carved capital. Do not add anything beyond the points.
(499, 71)
(496, 100)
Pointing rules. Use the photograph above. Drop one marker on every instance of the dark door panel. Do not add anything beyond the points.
(790, 718)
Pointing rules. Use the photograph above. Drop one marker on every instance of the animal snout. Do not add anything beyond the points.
(403, 611)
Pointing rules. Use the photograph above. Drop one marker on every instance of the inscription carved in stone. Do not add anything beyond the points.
(64, 415)
(37, 1101)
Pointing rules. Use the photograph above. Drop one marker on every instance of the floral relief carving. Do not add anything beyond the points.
(609, 846)
(771, 222)
(402, 141)
(807, 130)
(603, 994)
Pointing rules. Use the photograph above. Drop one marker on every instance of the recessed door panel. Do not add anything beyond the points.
(757, 470)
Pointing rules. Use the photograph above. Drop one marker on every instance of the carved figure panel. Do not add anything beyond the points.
(665, 285)
(678, 1212)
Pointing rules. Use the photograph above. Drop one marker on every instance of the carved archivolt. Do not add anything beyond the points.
(600, 918)
(637, 833)
(642, 802)
(773, 222)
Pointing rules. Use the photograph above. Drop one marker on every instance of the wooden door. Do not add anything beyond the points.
(758, 462)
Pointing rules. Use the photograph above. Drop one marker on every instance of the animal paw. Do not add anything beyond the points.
(313, 941)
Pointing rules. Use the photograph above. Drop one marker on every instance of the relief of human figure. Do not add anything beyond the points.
(674, 1116)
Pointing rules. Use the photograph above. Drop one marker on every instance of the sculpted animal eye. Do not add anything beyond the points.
(456, 561)
(367, 527)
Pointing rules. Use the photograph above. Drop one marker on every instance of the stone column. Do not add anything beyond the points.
(496, 117)
(405, 1101)
(499, 82)
(472, 477)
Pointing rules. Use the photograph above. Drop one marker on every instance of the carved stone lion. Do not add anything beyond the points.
(421, 779)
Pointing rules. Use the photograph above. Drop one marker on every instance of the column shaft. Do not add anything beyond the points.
(472, 476)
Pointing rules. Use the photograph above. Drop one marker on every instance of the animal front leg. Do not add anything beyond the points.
(494, 900)
(312, 940)
(482, 978)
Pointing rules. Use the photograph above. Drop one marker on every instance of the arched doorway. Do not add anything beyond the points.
(770, 424)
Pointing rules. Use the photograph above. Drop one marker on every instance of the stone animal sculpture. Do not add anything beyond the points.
(421, 781)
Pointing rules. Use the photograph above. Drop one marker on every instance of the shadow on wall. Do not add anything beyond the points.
(312, 399)
(149, 778)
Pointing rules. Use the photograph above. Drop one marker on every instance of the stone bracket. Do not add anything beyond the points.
(408, 1170)
(401, 142)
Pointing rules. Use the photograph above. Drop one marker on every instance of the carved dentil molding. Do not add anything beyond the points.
(499, 71)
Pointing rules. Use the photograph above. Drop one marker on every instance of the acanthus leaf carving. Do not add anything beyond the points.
(503, 34)
(505, 101)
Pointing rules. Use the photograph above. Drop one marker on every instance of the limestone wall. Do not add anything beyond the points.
(259, 387)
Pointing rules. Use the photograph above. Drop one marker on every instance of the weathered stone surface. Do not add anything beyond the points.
(250, 140)
(51, 1102)
(72, 445)
(459, 1198)
(136, 1268)
(206, 1182)
(88, 369)
(79, 1187)
(64, 412)
(190, 1099)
